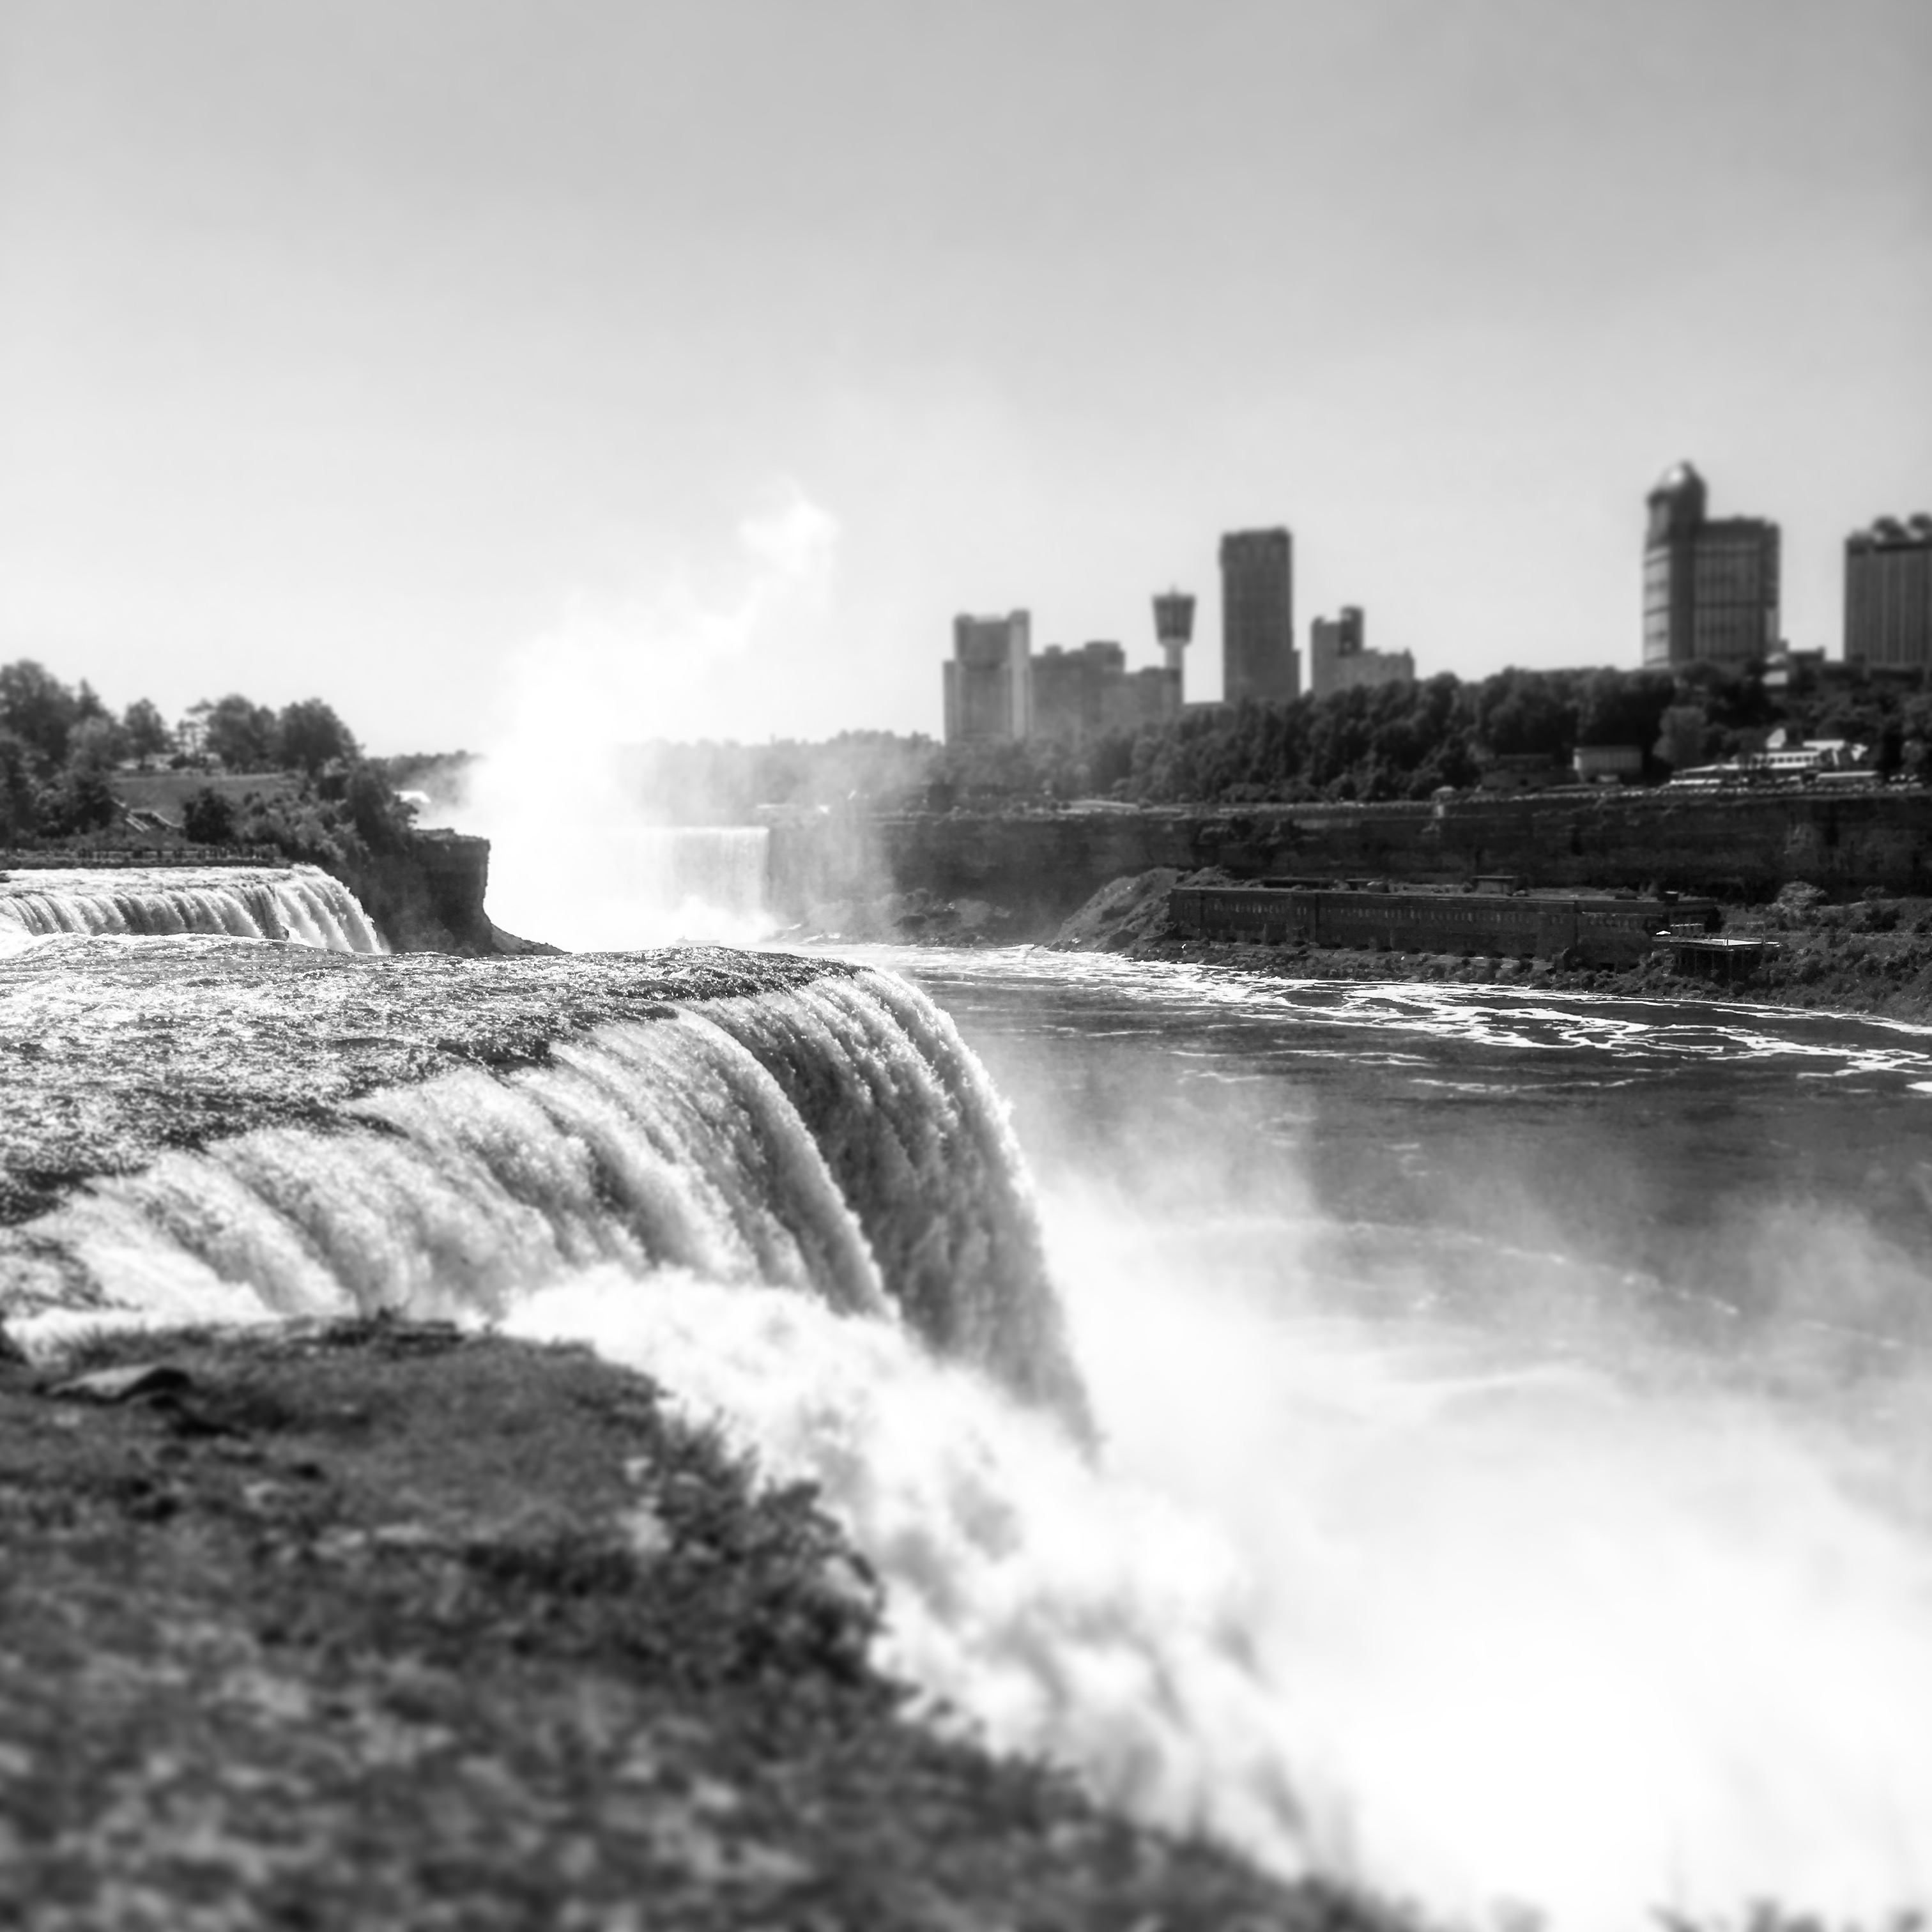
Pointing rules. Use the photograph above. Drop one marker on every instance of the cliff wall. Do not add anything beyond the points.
(428, 896)
(1043, 865)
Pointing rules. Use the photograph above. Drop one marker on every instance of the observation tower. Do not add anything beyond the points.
(1173, 625)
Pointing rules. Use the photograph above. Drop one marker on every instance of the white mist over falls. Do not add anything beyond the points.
(1470, 1441)
(576, 858)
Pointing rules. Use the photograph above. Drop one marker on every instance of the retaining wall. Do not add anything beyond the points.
(1041, 865)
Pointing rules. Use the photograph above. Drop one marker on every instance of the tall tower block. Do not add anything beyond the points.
(1258, 658)
(1710, 583)
(989, 680)
(1173, 625)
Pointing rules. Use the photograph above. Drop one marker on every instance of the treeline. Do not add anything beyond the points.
(1405, 742)
(716, 784)
(60, 746)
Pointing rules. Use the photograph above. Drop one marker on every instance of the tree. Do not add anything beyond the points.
(1519, 713)
(380, 818)
(208, 817)
(240, 733)
(149, 737)
(310, 735)
(19, 818)
(96, 744)
(86, 803)
(37, 708)
(1681, 735)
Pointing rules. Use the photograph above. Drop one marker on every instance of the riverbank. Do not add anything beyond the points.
(1872, 955)
(372, 1623)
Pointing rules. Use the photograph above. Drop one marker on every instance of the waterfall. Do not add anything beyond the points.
(833, 1138)
(304, 905)
(609, 886)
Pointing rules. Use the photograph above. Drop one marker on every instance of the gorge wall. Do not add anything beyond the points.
(1041, 865)
(428, 896)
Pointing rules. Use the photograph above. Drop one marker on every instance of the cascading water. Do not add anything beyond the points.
(303, 904)
(830, 1135)
(1374, 1598)
(624, 885)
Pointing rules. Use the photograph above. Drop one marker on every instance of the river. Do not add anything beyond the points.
(1555, 1371)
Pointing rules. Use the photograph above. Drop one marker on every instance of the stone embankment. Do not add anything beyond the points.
(1872, 955)
(1034, 869)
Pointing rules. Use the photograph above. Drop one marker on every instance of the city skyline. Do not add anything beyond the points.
(423, 358)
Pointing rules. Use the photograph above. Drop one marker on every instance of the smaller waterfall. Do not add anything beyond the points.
(304, 905)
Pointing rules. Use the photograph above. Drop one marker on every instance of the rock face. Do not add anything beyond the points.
(1042, 866)
(428, 898)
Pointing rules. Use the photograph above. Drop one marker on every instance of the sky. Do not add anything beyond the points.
(706, 357)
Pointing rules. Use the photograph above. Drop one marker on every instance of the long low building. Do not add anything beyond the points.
(1590, 931)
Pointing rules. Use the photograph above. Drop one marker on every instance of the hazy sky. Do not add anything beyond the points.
(716, 354)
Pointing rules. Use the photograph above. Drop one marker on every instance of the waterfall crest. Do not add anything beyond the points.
(304, 905)
(832, 1137)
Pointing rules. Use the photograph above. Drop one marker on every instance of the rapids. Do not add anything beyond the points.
(1470, 1441)
(302, 904)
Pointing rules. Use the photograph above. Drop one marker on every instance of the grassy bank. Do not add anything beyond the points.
(372, 1624)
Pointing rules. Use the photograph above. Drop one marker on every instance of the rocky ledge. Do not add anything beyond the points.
(374, 1624)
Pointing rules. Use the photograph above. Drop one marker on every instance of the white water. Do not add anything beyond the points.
(303, 904)
(1421, 1606)
(619, 886)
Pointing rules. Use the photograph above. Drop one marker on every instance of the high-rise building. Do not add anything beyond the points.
(1339, 657)
(1889, 594)
(1078, 694)
(1258, 658)
(1710, 584)
(988, 683)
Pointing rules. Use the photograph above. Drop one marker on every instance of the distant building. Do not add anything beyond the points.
(988, 686)
(1339, 658)
(1608, 764)
(1519, 771)
(1258, 658)
(1149, 696)
(1078, 694)
(1889, 594)
(1710, 584)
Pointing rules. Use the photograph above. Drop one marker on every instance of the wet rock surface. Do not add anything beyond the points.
(376, 1624)
(116, 1050)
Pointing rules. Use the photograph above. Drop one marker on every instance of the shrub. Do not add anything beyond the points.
(207, 817)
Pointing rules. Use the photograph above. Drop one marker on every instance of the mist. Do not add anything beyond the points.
(578, 801)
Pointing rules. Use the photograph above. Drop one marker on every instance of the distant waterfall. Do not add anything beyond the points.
(304, 905)
(719, 868)
(619, 886)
